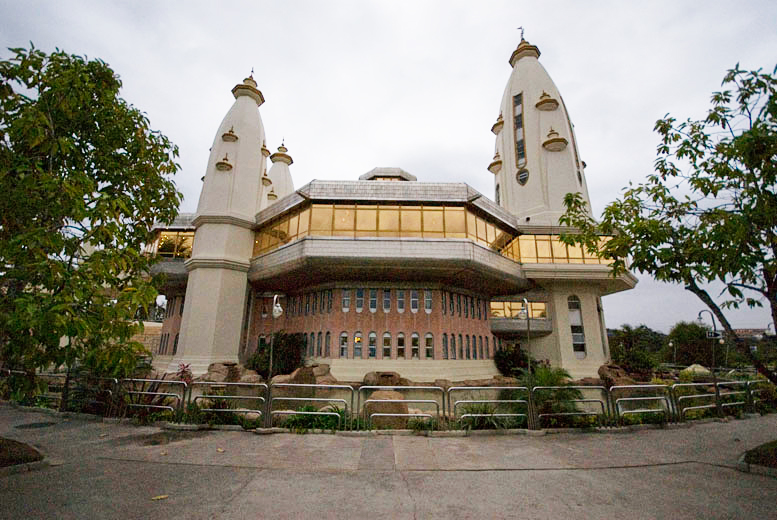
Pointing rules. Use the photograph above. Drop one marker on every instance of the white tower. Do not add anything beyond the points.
(536, 161)
(231, 195)
(278, 178)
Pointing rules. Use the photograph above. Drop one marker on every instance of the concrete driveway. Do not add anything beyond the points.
(101, 470)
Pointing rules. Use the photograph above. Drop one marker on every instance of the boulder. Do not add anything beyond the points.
(251, 378)
(327, 379)
(384, 379)
(387, 422)
(303, 375)
(443, 383)
(282, 378)
(613, 375)
(320, 369)
(588, 381)
(696, 370)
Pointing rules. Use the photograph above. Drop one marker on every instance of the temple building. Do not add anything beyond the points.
(386, 273)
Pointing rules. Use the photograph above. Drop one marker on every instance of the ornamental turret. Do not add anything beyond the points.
(279, 177)
(536, 161)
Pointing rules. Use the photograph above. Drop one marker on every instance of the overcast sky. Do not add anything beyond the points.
(351, 85)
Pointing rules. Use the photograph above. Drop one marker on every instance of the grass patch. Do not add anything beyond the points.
(763, 455)
(14, 452)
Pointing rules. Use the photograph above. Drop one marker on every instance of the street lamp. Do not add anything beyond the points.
(674, 358)
(714, 337)
(524, 315)
(277, 311)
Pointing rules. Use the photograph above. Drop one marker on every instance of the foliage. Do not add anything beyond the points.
(184, 373)
(552, 400)
(288, 352)
(634, 348)
(303, 423)
(83, 178)
(487, 421)
(511, 359)
(693, 346)
(707, 214)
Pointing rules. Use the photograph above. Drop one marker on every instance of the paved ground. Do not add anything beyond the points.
(107, 471)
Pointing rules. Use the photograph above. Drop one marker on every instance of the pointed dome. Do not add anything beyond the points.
(231, 185)
(282, 183)
(537, 145)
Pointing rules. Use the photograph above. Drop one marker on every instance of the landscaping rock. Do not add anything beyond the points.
(696, 370)
(327, 379)
(443, 383)
(384, 379)
(251, 378)
(387, 422)
(613, 375)
(320, 370)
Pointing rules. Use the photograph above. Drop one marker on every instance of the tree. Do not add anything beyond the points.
(708, 213)
(635, 348)
(83, 178)
(692, 344)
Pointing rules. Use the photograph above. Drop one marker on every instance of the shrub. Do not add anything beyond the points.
(288, 352)
(511, 359)
(486, 421)
(303, 423)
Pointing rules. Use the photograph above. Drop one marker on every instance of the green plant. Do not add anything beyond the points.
(303, 423)
(511, 359)
(288, 352)
(486, 420)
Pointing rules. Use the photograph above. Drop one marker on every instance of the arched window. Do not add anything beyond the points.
(576, 322)
(453, 346)
(386, 345)
(444, 346)
(373, 344)
(400, 346)
(359, 300)
(357, 345)
(474, 347)
(414, 300)
(346, 299)
(327, 345)
(488, 354)
(319, 350)
(461, 347)
(175, 344)
(415, 345)
(344, 345)
(480, 346)
(428, 345)
(468, 351)
(312, 344)
(400, 300)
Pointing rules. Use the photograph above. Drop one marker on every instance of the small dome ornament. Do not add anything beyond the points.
(266, 180)
(496, 165)
(265, 150)
(272, 195)
(248, 88)
(546, 102)
(497, 127)
(229, 136)
(554, 142)
(224, 165)
(281, 155)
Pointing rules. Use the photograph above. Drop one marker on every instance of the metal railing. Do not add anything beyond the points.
(453, 405)
(601, 414)
(313, 387)
(435, 390)
(665, 398)
(156, 384)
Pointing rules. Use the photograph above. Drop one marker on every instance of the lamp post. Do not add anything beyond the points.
(277, 311)
(524, 314)
(714, 377)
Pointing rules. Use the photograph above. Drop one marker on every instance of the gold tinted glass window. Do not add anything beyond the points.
(321, 219)
(344, 220)
(433, 222)
(304, 222)
(410, 221)
(544, 254)
(455, 224)
(559, 250)
(293, 224)
(528, 248)
(388, 221)
(472, 232)
(366, 221)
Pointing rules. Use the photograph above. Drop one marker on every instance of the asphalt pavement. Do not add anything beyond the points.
(104, 470)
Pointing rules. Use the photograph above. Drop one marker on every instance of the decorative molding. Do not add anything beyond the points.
(224, 165)
(497, 127)
(546, 102)
(230, 136)
(223, 219)
(524, 49)
(496, 165)
(216, 263)
(555, 143)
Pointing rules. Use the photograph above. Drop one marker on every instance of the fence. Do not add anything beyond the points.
(538, 405)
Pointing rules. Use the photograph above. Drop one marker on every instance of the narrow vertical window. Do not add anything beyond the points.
(346, 299)
(445, 346)
(414, 301)
(400, 301)
(496, 194)
(480, 346)
(329, 300)
(468, 351)
(400, 346)
(183, 299)
(520, 147)
(428, 300)
(444, 308)
(451, 303)
(472, 307)
(299, 305)
(474, 347)
(315, 302)
(373, 300)
(373, 345)
(466, 307)
(461, 347)
(429, 345)
(458, 305)
(312, 345)
(327, 345)
(386, 300)
(359, 300)
(480, 310)
(357, 345)
(386, 345)
(453, 346)
(319, 346)
(344, 345)
(307, 304)
(488, 354)
(576, 322)
(415, 346)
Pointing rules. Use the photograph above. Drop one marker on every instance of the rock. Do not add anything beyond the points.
(251, 378)
(282, 378)
(696, 369)
(588, 381)
(328, 379)
(320, 370)
(443, 383)
(384, 379)
(218, 368)
(303, 375)
(387, 422)
(217, 377)
(613, 375)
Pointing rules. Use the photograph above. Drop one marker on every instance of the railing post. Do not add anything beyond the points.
(533, 419)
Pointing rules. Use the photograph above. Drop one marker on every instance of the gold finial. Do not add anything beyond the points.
(521, 29)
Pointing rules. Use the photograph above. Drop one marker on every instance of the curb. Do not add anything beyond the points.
(756, 469)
